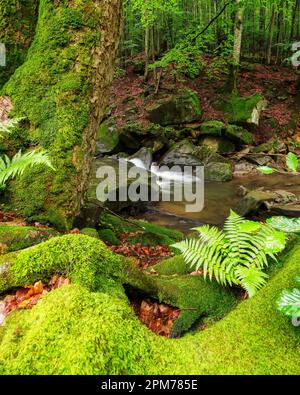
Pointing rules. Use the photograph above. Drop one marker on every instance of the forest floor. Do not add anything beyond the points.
(277, 83)
(158, 317)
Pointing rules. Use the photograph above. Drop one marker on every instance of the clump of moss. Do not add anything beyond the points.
(239, 109)
(82, 258)
(170, 266)
(73, 331)
(108, 236)
(15, 238)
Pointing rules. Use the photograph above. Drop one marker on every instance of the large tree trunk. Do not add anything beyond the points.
(61, 89)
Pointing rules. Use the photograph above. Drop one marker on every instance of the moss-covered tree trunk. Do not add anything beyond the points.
(61, 90)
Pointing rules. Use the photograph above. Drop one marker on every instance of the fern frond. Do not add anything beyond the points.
(11, 168)
(251, 279)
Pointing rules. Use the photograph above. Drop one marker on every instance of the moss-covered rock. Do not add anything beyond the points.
(217, 144)
(184, 107)
(75, 331)
(107, 138)
(239, 134)
(55, 89)
(92, 232)
(212, 128)
(220, 172)
(15, 238)
(244, 110)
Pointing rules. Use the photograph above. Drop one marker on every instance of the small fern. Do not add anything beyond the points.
(236, 255)
(11, 168)
(7, 126)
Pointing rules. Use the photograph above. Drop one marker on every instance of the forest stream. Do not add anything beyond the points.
(219, 199)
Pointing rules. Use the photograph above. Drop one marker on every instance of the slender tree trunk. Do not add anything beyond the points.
(238, 33)
(270, 43)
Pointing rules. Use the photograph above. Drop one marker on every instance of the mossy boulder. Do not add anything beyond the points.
(92, 232)
(108, 138)
(239, 135)
(76, 331)
(182, 154)
(217, 144)
(15, 238)
(219, 171)
(244, 110)
(177, 109)
(108, 236)
(212, 128)
(143, 232)
(185, 153)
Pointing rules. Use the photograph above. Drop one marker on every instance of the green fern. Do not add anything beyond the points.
(236, 255)
(7, 126)
(11, 168)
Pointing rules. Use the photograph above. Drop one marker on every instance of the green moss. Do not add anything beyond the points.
(149, 234)
(51, 89)
(14, 238)
(75, 331)
(90, 232)
(239, 109)
(239, 134)
(175, 265)
(108, 137)
(212, 128)
(108, 236)
(17, 25)
(82, 258)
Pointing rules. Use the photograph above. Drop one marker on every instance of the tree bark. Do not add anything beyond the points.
(62, 91)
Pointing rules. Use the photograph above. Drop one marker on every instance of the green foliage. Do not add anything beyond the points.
(292, 164)
(236, 255)
(289, 302)
(185, 60)
(15, 167)
(90, 232)
(288, 225)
